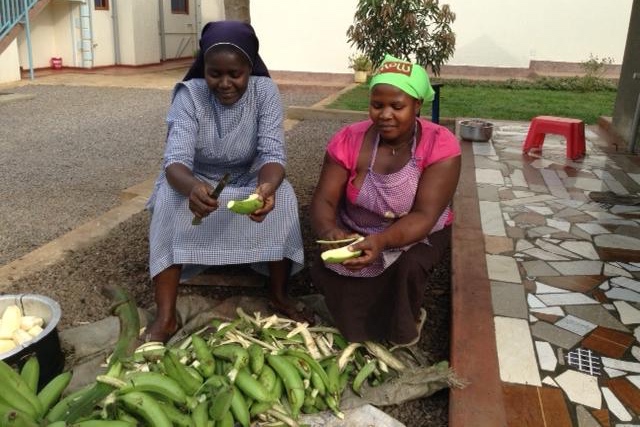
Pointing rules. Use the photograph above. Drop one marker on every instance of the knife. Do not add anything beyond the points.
(214, 195)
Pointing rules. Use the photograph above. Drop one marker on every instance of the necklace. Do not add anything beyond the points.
(395, 150)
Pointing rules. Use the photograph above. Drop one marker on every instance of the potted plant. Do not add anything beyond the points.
(361, 66)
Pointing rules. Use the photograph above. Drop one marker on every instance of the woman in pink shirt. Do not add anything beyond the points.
(390, 179)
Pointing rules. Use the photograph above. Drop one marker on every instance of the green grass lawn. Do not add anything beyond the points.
(492, 101)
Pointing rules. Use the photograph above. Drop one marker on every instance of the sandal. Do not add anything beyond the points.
(162, 336)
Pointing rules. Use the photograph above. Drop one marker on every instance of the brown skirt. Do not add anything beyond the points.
(385, 307)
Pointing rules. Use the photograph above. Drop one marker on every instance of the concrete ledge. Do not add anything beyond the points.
(302, 113)
(10, 97)
(79, 237)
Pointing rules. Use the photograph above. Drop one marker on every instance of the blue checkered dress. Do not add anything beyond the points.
(212, 139)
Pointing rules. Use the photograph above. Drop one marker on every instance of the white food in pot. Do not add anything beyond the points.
(16, 329)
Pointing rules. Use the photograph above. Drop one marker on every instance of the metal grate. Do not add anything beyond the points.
(585, 360)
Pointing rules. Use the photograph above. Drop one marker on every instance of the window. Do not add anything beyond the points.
(101, 4)
(180, 6)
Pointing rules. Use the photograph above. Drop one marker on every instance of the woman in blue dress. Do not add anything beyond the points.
(226, 116)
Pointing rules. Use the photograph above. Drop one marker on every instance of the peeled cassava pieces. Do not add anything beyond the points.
(341, 254)
(246, 206)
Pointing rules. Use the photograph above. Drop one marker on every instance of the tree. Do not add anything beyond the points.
(237, 10)
(415, 30)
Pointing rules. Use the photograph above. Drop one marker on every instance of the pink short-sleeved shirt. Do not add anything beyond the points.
(436, 143)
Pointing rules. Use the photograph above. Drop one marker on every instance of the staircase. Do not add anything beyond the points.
(12, 17)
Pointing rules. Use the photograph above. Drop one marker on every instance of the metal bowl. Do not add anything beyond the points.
(45, 346)
(476, 130)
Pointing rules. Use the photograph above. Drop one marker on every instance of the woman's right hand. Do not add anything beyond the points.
(200, 202)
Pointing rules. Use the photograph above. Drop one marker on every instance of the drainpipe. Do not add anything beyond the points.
(163, 46)
(633, 137)
(28, 33)
(116, 32)
(74, 39)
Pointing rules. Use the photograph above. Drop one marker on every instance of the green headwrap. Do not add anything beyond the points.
(409, 78)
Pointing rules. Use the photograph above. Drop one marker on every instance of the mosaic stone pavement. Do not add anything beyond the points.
(565, 275)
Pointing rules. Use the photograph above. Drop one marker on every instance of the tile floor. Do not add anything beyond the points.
(564, 280)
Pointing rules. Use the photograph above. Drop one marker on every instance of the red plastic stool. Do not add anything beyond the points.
(571, 129)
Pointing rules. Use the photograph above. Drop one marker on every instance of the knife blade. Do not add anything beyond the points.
(214, 195)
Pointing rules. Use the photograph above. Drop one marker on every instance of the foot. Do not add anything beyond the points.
(294, 310)
(161, 331)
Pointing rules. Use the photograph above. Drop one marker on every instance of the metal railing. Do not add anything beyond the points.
(12, 13)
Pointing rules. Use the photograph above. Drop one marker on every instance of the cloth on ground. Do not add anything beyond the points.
(611, 198)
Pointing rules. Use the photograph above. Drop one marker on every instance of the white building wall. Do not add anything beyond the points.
(305, 35)
(8, 71)
(511, 33)
(42, 28)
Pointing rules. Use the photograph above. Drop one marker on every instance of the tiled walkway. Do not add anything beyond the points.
(546, 287)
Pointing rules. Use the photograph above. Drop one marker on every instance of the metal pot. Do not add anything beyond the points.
(45, 346)
(476, 130)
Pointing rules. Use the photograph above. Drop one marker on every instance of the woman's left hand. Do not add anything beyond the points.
(371, 247)
(267, 193)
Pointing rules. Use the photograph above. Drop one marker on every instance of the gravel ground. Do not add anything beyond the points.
(88, 144)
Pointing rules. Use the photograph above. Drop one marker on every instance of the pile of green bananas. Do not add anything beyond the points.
(250, 370)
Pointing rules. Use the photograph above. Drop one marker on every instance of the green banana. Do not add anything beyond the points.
(251, 386)
(333, 378)
(216, 381)
(267, 378)
(259, 408)
(87, 400)
(15, 388)
(207, 364)
(256, 358)
(300, 365)
(146, 407)
(200, 414)
(15, 402)
(221, 403)
(58, 424)
(246, 206)
(176, 370)
(226, 420)
(60, 409)
(278, 389)
(177, 417)
(318, 384)
(155, 383)
(239, 408)
(52, 391)
(332, 403)
(232, 353)
(101, 423)
(312, 363)
(18, 419)
(341, 254)
(362, 375)
(291, 380)
(4, 408)
(30, 372)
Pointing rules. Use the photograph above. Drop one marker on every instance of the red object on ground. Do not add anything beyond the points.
(56, 63)
(571, 129)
